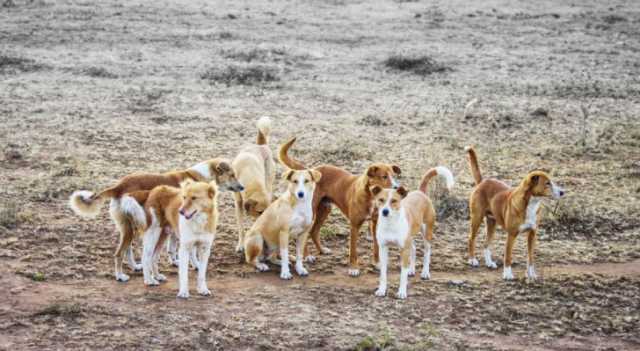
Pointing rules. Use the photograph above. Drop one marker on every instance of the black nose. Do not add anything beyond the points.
(300, 194)
(240, 188)
(385, 212)
(395, 187)
(182, 212)
(561, 192)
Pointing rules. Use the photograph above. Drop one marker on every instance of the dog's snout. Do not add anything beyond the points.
(395, 186)
(300, 194)
(385, 212)
(561, 192)
(181, 211)
(240, 188)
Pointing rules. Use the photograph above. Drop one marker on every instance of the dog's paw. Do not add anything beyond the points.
(151, 282)
(136, 267)
(531, 273)
(402, 294)
(412, 272)
(507, 274)
(183, 294)
(491, 265)
(310, 259)
(325, 250)
(286, 275)
(239, 248)
(425, 275)
(121, 277)
(473, 262)
(160, 277)
(377, 266)
(381, 292)
(262, 267)
(354, 272)
(302, 271)
(204, 291)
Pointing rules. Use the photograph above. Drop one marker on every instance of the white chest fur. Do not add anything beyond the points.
(195, 229)
(530, 220)
(394, 229)
(302, 216)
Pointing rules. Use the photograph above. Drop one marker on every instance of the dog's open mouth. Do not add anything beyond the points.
(188, 215)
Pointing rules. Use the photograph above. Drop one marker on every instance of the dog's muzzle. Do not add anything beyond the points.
(300, 194)
(385, 212)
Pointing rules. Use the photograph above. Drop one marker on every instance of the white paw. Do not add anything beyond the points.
(151, 282)
(262, 267)
(354, 272)
(204, 291)
(136, 267)
(425, 275)
(381, 292)
(302, 271)
(531, 273)
(325, 250)
(160, 277)
(183, 294)
(527, 226)
(310, 259)
(121, 277)
(507, 274)
(286, 275)
(412, 272)
(473, 262)
(402, 294)
(491, 264)
(239, 248)
(377, 266)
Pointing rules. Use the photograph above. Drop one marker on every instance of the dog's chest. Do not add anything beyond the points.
(531, 214)
(301, 218)
(393, 231)
(194, 229)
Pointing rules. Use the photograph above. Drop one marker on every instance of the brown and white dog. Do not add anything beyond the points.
(191, 211)
(350, 193)
(125, 208)
(256, 170)
(290, 216)
(514, 209)
(401, 216)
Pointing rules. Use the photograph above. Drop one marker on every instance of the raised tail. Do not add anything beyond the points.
(132, 205)
(284, 157)
(441, 171)
(87, 204)
(473, 163)
(264, 129)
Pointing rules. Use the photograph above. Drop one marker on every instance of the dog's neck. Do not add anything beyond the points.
(362, 187)
(520, 198)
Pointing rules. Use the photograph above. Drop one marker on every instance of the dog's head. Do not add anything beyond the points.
(387, 201)
(539, 183)
(224, 175)
(256, 204)
(301, 184)
(383, 175)
(197, 197)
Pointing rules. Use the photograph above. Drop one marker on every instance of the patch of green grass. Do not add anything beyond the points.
(328, 232)
(38, 277)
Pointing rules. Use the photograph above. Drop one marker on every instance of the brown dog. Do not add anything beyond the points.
(125, 207)
(350, 193)
(514, 209)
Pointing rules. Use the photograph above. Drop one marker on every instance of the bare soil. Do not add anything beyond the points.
(92, 91)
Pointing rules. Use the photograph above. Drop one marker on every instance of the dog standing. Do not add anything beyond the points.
(256, 170)
(125, 208)
(350, 193)
(290, 216)
(514, 209)
(401, 216)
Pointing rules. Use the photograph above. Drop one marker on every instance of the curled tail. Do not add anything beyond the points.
(284, 157)
(264, 129)
(441, 171)
(87, 204)
(473, 163)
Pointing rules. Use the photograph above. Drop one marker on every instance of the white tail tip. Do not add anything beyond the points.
(264, 125)
(445, 173)
(467, 148)
(131, 207)
(83, 204)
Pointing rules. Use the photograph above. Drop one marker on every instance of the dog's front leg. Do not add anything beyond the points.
(507, 273)
(404, 272)
(300, 242)
(373, 224)
(204, 252)
(531, 240)
(195, 258)
(354, 268)
(172, 249)
(239, 221)
(183, 269)
(384, 258)
(284, 256)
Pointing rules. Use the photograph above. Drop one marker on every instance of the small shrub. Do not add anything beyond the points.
(60, 310)
(237, 75)
(99, 72)
(12, 64)
(422, 65)
(9, 217)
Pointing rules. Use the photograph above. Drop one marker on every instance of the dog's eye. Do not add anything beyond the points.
(394, 201)
(306, 181)
(193, 198)
(548, 183)
(385, 177)
(380, 200)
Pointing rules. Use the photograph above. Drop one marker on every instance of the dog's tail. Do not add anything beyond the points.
(283, 156)
(87, 204)
(264, 129)
(441, 171)
(473, 163)
(132, 205)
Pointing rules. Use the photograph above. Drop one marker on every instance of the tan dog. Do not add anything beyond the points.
(191, 211)
(256, 170)
(290, 216)
(514, 209)
(125, 208)
(401, 216)
(350, 193)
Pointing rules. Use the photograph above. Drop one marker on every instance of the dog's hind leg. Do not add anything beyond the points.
(124, 245)
(322, 213)
(149, 242)
(239, 221)
(427, 231)
(491, 232)
(476, 221)
(203, 252)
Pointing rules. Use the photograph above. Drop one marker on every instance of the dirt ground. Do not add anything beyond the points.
(91, 91)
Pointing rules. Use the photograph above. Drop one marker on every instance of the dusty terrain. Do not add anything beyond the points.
(91, 91)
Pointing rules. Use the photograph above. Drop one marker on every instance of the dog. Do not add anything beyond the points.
(400, 216)
(191, 211)
(88, 204)
(514, 209)
(350, 193)
(255, 169)
(290, 216)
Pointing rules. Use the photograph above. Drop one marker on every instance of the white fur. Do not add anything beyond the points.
(507, 274)
(445, 173)
(404, 278)
(194, 235)
(487, 259)
(131, 207)
(531, 272)
(557, 191)
(204, 169)
(473, 262)
(384, 259)
(264, 125)
(149, 241)
(531, 214)
(426, 274)
(83, 195)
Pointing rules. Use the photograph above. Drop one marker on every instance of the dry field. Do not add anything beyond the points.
(93, 90)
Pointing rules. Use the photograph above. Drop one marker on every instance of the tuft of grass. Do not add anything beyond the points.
(13, 64)
(61, 310)
(38, 277)
(255, 54)
(241, 75)
(384, 341)
(9, 216)
(420, 65)
(328, 232)
(99, 72)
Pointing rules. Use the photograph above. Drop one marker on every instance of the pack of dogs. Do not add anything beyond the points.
(177, 211)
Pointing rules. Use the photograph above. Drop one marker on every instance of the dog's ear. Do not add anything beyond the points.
(212, 191)
(376, 190)
(371, 171)
(315, 175)
(402, 191)
(222, 168)
(249, 204)
(396, 169)
(288, 174)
